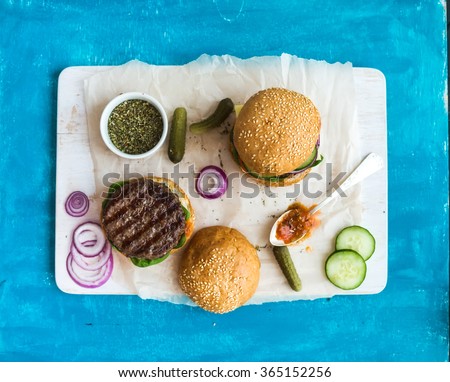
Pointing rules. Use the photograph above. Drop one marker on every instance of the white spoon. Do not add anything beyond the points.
(370, 164)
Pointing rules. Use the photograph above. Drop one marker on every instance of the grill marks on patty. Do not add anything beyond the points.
(144, 219)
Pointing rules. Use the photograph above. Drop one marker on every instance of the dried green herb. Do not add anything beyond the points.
(135, 126)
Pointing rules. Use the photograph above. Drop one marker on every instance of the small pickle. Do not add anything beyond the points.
(284, 260)
(223, 110)
(177, 138)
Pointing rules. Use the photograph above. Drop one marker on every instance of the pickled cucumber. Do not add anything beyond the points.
(177, 138)
(223, 110)
(286, 264)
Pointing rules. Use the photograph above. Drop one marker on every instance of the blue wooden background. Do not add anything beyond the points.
(406, 39)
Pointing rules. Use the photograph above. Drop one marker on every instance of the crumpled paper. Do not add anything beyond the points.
(248, 207)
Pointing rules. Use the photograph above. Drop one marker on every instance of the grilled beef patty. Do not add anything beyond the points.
(143, 219)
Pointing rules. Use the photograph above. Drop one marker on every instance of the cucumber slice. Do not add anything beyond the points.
(312, 157)
(346, 269)
(358, 239)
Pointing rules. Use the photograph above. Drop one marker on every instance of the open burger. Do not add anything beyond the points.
(276, 137)
(147, 219)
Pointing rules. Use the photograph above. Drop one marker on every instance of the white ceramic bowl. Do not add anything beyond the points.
(110, 107)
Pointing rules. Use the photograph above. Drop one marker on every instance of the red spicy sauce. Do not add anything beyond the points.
(297, 223)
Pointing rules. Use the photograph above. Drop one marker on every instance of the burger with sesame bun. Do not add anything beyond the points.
(276, 137)
(219, 270)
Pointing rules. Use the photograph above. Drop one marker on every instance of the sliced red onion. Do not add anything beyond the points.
(212, 182)
(85, 274)
(89, 243)
(77, 204)
(91, 263)
(89, 279)
(89, 239)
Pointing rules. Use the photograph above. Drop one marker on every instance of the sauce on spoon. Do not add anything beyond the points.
(297, 224)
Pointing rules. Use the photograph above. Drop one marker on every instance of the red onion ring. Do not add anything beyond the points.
(89, 239)
(77, 204)
(220, 182)
(89, 279)
(85, 275)
(91, 263)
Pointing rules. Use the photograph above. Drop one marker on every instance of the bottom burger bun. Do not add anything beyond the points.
(284, 182)
(219, 270)
(146, 219)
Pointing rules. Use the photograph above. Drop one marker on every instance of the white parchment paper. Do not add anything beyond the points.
(248, 207)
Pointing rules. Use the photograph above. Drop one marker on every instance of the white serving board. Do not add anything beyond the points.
(75, 171)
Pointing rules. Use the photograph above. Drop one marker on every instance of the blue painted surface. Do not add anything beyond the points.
(405, 39)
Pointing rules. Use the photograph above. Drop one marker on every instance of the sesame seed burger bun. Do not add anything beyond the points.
(292, 179)
(219, 270)
(276, 131)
